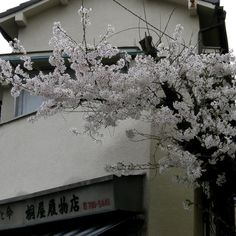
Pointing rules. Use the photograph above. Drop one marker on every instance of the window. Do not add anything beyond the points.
(27, 103)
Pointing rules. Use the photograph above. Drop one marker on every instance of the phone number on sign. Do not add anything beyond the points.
(96, 204)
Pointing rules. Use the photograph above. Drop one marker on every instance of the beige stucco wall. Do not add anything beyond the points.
(166, 215)
(8, 105)
(36, 34)
(45, 154)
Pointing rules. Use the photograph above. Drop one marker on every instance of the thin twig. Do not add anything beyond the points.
(145, 17)
(132, 28)
(84, 29)
(139, 34)
(167, 23)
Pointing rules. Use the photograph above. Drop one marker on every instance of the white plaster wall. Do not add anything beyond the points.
(36, 34)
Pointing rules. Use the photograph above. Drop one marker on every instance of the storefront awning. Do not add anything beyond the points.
(90, 198)
(100, 225)
(91, 231)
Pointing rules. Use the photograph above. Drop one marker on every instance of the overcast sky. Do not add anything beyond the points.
(229, 6)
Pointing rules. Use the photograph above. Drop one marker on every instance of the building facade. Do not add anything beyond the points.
(54, 180)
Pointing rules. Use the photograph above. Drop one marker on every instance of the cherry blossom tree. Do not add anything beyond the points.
(189, 99)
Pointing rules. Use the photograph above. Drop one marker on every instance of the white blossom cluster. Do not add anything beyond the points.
(188, 98)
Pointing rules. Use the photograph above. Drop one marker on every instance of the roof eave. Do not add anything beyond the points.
(16, 17)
